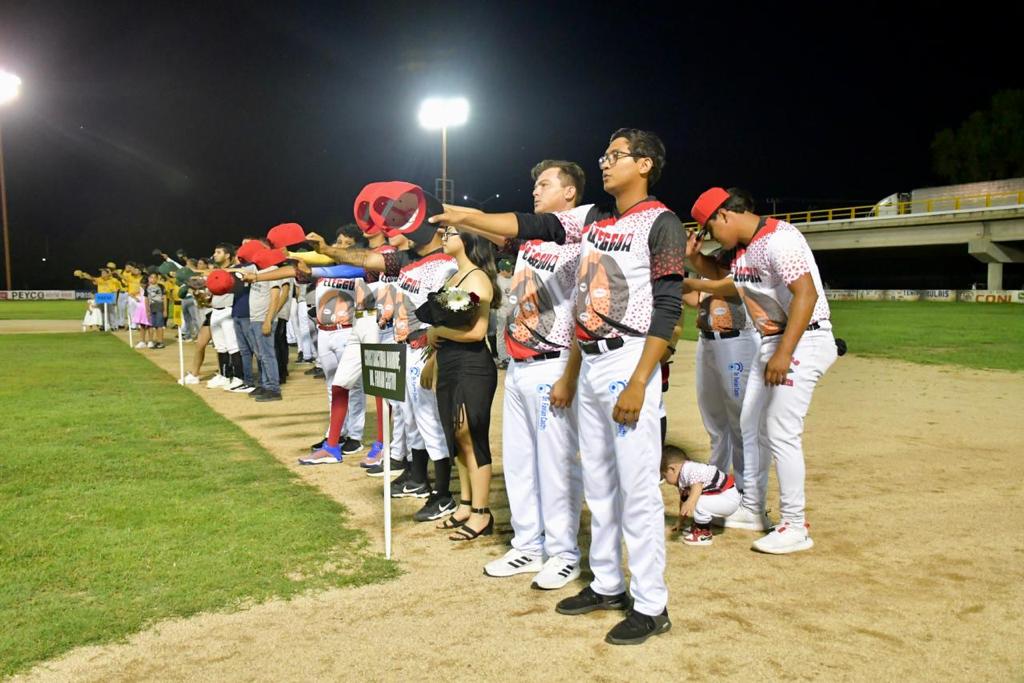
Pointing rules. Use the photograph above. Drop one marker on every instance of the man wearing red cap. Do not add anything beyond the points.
(264, 302)
(774, 272)
(222, 327)
(404, 208)
(629, 297)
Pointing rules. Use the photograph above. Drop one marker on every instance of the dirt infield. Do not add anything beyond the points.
(914, 484)
(40, 326)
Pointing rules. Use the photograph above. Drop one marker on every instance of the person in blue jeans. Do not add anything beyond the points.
(264, 303)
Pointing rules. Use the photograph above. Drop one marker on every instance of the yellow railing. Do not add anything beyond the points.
(883, 208)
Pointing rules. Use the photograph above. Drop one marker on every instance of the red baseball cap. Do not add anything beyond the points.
(362, 209)
(707, 204)
(401, 208)
(265, 258)
(286, 235)
(248, 251)
(220, 282)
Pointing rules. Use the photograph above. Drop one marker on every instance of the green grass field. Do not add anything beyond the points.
(125, 500)
(42, 310)
(987, 336)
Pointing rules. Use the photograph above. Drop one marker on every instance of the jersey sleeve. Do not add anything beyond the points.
(787, 254)
(668, 246)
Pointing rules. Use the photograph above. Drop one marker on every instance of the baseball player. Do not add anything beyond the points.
(726, 346)
(774, 272)
(705, 493)
(543, 478)
(629, 297)
(222, 327)
(404, 207)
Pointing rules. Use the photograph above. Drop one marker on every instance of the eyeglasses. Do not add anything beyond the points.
(449, 232)
(611, 158)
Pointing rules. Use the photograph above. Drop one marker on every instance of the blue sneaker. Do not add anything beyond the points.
(327, 455)
(373, 457)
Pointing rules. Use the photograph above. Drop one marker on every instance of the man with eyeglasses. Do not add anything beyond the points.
(629, 297)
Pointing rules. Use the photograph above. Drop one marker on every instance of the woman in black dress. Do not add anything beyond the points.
(466, 381)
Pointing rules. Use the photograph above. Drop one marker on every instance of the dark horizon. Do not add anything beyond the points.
(142, 127)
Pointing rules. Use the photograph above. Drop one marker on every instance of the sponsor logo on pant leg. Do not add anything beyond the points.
(616, 388)
(545, 406)
(737, 373)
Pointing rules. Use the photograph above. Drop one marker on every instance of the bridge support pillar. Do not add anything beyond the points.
(995, 255)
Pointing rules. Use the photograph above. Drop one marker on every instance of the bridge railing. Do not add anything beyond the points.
(913, 207)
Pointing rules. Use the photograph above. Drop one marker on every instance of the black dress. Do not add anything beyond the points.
(466, 382)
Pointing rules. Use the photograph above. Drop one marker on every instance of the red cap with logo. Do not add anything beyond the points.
(707, 204)
(286, 235)
(220, 282)
(398, 208)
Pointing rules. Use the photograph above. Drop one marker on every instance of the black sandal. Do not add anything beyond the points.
(466, 534)
(451, 522)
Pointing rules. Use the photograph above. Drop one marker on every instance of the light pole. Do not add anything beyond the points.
(443, 113)
(10, 86)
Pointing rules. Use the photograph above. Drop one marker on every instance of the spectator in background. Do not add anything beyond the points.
(156, 297)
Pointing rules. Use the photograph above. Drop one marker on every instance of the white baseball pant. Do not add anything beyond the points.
(330, 349)
(300, 322)
(222, 327)
(621, 471)
(777, 415)
(716, 505)
(543, 477)
(130, 307)
(422, 422)
(722, 368)
(399, 449)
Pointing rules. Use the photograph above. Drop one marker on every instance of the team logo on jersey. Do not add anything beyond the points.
(409, 284)
(603, 294)
(338, 306)
(539, 258)
(533, 313)
(609, 241)
(746, 274)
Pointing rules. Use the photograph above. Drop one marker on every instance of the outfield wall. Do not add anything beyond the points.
(979, 296)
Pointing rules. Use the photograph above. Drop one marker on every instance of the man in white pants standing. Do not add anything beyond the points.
(774, 271)
(629, 297)
(542, 470)
(725, 351)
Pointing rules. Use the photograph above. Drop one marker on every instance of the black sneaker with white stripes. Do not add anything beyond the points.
(409, 489)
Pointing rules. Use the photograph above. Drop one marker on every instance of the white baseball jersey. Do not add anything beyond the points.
(614, 294)
(776, 257)
(543, 291)
(712, 479)
(417, 277)
(722, 314)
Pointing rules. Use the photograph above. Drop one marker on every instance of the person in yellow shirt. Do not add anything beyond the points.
(105, 283)
(132, 278)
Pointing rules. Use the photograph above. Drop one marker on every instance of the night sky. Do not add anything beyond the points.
(177, 125)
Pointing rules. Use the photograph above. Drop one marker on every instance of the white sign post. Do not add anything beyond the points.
(384, 376)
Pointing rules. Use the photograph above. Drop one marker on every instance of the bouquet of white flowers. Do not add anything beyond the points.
(455, 308)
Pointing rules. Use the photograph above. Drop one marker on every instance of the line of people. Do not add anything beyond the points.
(593, 310)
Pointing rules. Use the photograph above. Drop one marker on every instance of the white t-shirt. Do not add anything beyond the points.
(763, 270)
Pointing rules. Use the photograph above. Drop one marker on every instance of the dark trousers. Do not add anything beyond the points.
(281, 348)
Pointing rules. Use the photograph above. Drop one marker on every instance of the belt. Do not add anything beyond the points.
(729, 483)
(538, 357)
(331, 328)
(810, 328)
(602, 345)
(363, 314)
(720, 335)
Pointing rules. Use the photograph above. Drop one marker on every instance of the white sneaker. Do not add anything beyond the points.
(189, 379)
(217, 382)
(140, 345)
(786, 538)
(514, 562)
(556, 573)
(233, 384)
(744, 518)
(151, 344)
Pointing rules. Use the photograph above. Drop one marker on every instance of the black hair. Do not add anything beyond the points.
(257, 238)
(229, 248)
(569, 172)
(644, 143)
(352, 231)
(739, 201)
(480, 252)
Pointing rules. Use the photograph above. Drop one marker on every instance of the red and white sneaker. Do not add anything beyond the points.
(785, 538)
(698, 536)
